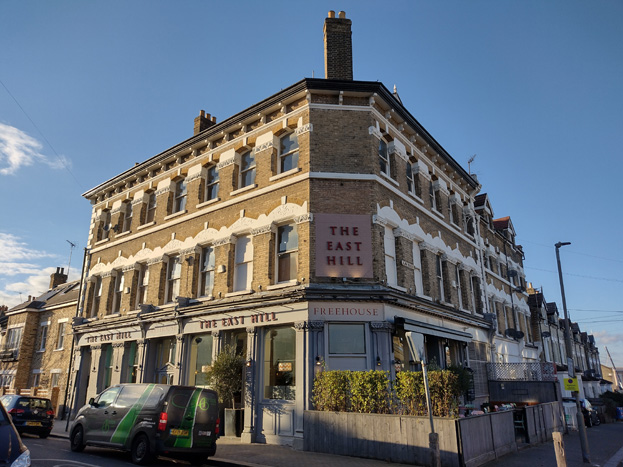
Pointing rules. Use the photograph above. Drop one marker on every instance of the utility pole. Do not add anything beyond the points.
(571, 361)
(614, 369)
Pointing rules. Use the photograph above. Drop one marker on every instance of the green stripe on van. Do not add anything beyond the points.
(121, 433)
(189, 412)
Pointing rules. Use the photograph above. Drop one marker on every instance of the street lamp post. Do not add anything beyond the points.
(571, 360)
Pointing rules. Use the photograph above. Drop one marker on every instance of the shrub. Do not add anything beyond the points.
(225, 374)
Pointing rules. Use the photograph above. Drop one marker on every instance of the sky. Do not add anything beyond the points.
(532, 88)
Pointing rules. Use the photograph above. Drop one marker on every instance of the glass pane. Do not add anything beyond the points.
(289, 162)
(248, 178)
(247, 161)
(201, 350)
(288, 238)
(279, 363)
(289, 143)
(287, 267)
(347, 339)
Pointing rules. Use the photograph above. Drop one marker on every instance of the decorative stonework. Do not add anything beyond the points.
(309, 217)
(162, 191)
(251, 329)
(381, 326)
(224, 240)
(375, 131)
(316, 325)
(156, 260)
(225, 163)
(262, 230)
(404, 234)
(428, 247)
(304, 129)
(264, 146)
(193, 177)
(138, 201)
(379, 220)
(106, 274)
(301, 325)
(129, 267)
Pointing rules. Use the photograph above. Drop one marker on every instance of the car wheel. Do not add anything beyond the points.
(597, 420)
(141, 454)
(44, 434)
(589, 421)
(76, 441)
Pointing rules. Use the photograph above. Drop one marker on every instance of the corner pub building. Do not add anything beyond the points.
(310, 231)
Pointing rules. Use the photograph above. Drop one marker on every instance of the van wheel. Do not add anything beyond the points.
(76, 441)
(44, 434)
(141, 454)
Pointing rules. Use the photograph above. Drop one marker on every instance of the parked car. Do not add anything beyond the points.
(591, 417)
(150, 419)
(30, 414)
(12, 450)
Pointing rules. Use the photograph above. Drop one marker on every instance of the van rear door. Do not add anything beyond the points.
(192, 414)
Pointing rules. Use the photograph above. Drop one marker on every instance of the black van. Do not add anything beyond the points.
(150, 419)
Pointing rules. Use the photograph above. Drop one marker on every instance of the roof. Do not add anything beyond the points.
(306, 84)
(502, 223)
(61, 294)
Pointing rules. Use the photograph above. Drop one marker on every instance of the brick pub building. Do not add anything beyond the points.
(311, 231)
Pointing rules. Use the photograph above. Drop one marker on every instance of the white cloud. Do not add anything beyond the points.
(12, 250)
(17, 149)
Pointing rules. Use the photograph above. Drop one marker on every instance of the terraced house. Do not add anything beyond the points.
(311, 230)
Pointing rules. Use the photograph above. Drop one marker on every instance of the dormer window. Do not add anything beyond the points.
(288, 152)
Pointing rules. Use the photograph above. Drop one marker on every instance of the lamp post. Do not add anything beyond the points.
(571, 361)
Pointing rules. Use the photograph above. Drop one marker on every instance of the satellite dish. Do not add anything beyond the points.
(546, 334)
(519, 334)
(510, 332)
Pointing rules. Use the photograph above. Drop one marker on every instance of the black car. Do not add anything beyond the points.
(33, 415)
(150, 419)
(12, 450)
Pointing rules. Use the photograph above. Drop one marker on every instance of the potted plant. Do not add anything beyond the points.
(225, 377)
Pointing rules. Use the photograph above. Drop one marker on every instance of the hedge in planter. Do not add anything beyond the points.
(372, 392)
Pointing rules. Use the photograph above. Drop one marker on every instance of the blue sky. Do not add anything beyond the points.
(532, 88)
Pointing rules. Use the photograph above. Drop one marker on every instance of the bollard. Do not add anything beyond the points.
(559, 448)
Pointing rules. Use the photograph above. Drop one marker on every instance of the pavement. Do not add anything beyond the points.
(605, 450)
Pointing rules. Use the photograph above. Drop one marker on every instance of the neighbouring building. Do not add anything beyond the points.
(36, 347)
(318, 228)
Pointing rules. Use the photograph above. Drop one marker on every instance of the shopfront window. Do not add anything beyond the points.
(165, 360)
(200, 359)
(107, 362)
(347, 338)
(279, 363)
(131, 363)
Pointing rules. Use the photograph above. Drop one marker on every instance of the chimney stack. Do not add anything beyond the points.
(338, 47)
(57, 278)
(203, 121)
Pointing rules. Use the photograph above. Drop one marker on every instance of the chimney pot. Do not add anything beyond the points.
(331, 14)
(341, 15)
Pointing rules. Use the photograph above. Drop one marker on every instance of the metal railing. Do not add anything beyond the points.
(542, 371)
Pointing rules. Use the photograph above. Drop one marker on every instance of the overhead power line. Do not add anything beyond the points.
(577, 275)
(60, 159)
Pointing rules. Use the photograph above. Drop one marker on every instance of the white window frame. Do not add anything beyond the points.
(60, 338)
(43, 336)
(292, 154)
(55, 375)
(212, 183)
(417, 271)
(36, 378)
(117, 292)
(127, 217)
(243, 264)
(248, 169)
(383, 153)
(389, 248)
(14, 338)
(152, 202)
(143, 282)
(207, 270)
(290, 254)
(174, 278)
(181, 196)
(97, 295)
(459, 288)
(439, 277)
